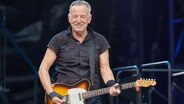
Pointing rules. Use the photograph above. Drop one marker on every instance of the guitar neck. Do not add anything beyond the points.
(103, 91)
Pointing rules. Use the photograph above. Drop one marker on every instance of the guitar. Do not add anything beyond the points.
(77, 93)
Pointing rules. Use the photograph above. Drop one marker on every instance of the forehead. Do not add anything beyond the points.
(79, 9)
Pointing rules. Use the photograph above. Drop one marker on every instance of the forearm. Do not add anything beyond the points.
(107, 74)
(45, 80)
(105, 69)
(43, 72)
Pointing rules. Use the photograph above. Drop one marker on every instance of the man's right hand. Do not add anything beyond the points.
(57, 100)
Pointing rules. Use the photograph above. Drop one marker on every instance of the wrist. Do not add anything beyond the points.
(54, 94)
(110, 83)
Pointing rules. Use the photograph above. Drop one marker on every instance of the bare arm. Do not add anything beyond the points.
(107, 74)
(43, 72)
(47, 62)
(105, 67)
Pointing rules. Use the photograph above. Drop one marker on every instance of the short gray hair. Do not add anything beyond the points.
(79, 3)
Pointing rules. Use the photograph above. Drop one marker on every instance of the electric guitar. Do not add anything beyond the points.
(77, 93)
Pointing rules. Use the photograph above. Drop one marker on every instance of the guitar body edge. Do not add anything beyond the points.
(63, 89)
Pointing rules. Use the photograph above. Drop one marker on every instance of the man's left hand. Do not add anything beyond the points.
(115, 90)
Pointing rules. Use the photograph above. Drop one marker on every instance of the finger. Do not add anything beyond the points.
(137, 88)
(59, 101)
(114, 92)
(118, 91)
(117, 88)
(116, 85)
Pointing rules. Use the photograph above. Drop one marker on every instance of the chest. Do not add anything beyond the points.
(73, 50)
(73, 53)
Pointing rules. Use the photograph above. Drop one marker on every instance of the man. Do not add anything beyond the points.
(69, 51)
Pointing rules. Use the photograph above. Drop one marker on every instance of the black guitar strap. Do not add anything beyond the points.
(91, 51)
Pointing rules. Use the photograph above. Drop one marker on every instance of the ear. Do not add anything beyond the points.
(69, 19)
(89, 19)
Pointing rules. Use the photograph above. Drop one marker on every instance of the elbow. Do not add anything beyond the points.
(40, 72)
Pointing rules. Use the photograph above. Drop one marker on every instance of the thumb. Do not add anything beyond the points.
(116, 85)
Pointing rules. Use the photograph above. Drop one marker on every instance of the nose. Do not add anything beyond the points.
(78, 19)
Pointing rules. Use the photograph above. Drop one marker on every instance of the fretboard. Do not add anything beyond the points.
(103, 91)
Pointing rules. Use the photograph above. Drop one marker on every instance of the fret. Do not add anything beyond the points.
(93, 93)
(128, 85)
(142, 83)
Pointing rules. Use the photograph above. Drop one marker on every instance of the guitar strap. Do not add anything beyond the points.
(91, 52)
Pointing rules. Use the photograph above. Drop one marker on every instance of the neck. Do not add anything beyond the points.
(80, 36)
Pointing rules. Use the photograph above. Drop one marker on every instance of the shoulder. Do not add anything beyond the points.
(100, 39)
(98, 36)
(59, 38)
(61, 35)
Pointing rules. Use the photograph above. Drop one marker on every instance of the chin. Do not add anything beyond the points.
(79, 30)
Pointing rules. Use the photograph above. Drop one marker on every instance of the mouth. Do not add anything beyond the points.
(78, 26)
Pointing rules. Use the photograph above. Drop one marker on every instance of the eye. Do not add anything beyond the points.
(74, 16)
(83, 16)
(79, 16)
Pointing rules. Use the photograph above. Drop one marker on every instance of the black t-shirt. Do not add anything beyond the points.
(72, 63)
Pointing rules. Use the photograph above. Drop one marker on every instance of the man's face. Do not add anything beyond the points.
(79, 18)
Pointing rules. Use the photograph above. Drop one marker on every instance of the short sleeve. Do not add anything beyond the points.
(102, 43)
(54, 44)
